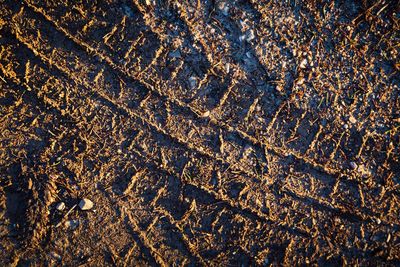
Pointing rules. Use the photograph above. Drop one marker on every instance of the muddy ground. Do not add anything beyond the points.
(216, 133)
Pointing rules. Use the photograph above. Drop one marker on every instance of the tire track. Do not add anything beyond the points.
(150, 155)
(225, 174)
(230, 203)
(153, 87)
(316, 200)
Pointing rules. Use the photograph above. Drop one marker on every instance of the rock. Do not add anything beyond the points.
(206, 114)
(303, 64)
(55, 256)
(300, 81)
(85, 204)
(60, 206)
(224, 8)
(192, 82)
(353, 165)
(72, 224)
(227, 67)
(352, 119)
(250, 35)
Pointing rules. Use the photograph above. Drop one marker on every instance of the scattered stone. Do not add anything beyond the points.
(206, 114)
(60, 206)
(300, 81)
(303, 64)
(55, 256)
(227, 67)
(250, 35)
(353, 165)
(73, 224)
(85, 204)
(223, 6)
(352, 119)
(192, 82)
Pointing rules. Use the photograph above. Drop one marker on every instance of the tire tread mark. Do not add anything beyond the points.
(277, 150)
(222, 197)
(283, 152)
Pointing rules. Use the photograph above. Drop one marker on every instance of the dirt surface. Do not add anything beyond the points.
(229, 133)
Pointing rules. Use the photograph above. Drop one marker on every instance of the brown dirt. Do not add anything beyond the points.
(205, 132)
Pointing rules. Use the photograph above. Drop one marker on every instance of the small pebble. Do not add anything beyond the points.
(227, 67)
(353, 165)
(300, 81)
(72, 224)
(250, 35)
(206, 114)
(192, 82)
(352, 119)
(85, 204)
(224, 8)
(303, 64)
(60, 206)
(55, 256)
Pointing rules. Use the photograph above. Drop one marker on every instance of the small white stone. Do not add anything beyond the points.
(352, 119)
(227, 67)
(250, 35)
(55, 256)
(72, 224)
(192, 82)
(303, 63)
(224, 8)
(85, 204)
(60, 206)
(206, 114)
(300, 81)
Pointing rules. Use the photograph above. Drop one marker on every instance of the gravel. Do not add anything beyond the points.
(85, 204)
